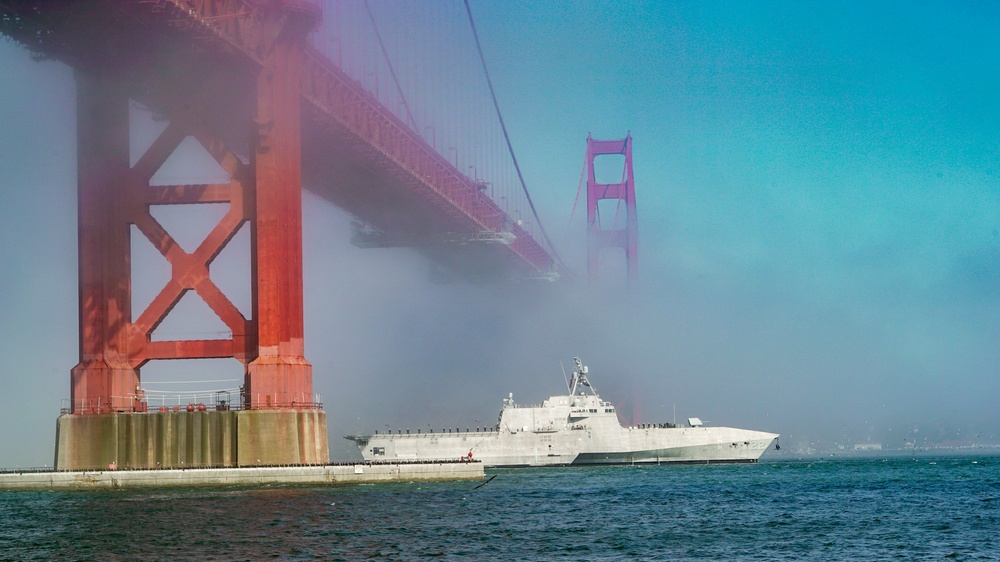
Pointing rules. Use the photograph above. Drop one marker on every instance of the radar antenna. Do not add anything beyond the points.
(580, 378)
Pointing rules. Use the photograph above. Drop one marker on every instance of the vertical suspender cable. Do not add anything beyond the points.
(388, 63)
(506, 137)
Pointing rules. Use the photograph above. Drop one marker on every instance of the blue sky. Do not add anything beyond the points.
(818, 198)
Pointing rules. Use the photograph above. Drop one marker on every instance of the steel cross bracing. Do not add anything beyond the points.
(188, 269)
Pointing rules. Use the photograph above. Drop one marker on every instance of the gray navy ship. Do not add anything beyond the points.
(574, 429)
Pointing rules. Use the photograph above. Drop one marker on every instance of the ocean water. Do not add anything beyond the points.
(922, 508)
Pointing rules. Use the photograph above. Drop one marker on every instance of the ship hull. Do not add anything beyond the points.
(574, 447)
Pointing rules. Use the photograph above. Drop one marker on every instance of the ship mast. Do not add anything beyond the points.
(580, 378)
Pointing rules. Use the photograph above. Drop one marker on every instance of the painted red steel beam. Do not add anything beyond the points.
(104, 380)
(280, 373)
(189, 271)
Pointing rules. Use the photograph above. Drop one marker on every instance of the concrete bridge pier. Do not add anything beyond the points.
(195, 439)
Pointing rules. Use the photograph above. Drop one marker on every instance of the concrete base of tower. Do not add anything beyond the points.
(191, 439)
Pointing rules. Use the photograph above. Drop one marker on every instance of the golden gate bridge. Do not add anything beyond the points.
(379, 108)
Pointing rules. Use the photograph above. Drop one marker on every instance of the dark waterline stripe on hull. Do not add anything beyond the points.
(622, 463)
(629, 458)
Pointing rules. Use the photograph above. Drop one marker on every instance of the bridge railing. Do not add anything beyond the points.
(191, 402)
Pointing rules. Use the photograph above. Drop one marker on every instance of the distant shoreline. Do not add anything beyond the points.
(963, 451)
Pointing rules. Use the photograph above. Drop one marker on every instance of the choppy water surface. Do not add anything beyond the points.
(871, 509)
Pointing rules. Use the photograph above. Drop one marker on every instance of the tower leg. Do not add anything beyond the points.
(280, 376)
(103, 381)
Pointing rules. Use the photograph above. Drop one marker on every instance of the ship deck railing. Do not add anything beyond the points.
(432, 433)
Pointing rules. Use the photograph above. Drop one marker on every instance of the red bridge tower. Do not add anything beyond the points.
(598, 238)
(222, 102)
